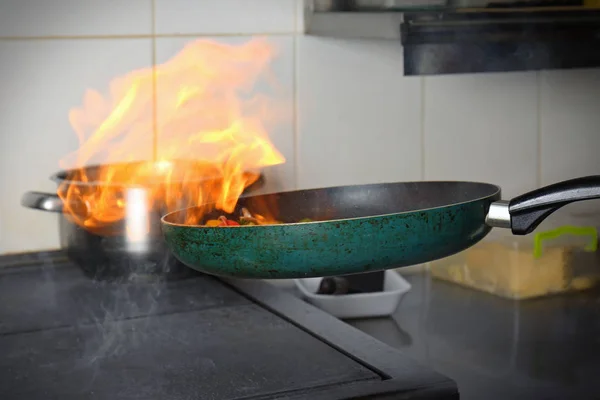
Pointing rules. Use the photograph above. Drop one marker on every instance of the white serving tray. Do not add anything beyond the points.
(361, 305)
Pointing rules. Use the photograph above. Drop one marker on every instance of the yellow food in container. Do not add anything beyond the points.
(521, 268)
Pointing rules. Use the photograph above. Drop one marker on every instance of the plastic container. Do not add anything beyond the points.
(557, 260)
(360, 305)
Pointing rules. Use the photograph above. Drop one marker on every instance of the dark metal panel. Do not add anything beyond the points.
(66, 336)
(403, 374)
(465, 42)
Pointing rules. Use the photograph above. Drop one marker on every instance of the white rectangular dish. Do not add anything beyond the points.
(360, 305)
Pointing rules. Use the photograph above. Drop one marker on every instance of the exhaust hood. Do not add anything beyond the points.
(469, 36)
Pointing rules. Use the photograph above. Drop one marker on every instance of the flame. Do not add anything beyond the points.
(202, 110)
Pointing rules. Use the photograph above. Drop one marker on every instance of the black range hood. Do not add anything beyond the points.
(469, 42)
(521, 36)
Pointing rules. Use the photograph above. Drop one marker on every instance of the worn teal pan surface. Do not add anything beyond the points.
(365, 228)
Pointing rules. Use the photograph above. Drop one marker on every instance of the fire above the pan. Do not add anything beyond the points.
(201, 106)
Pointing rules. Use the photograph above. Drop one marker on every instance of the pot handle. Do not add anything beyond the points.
(525, 212)
(42, 201)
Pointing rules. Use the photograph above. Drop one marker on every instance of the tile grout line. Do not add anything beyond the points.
(539, 128)
(422, 128)
(295, 100)
(154, 85)
(142, 36)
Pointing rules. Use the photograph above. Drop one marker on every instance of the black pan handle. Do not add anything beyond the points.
(525, 212)
(42, 201)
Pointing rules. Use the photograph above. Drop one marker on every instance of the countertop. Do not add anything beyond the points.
(496, 348)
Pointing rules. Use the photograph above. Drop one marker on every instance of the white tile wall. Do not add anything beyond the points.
(570, 118)
(353, 117)
(359, 121)
(75, 17)
(41, 81)
(225, 16)
(484, 128)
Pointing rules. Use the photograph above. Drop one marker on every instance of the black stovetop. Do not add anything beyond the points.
(65, 336)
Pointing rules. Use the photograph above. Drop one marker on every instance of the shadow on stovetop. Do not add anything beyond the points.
(388, 330)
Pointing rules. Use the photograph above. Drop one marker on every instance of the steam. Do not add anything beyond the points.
(132, 300)
(112, 320)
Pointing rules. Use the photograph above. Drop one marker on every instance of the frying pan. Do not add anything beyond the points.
(362, 228)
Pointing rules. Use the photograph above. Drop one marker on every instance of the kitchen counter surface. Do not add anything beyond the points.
(496, 348)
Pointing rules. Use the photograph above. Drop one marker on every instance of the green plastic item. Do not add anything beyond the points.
(566, 230)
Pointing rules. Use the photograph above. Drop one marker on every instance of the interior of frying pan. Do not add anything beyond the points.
(349, 201)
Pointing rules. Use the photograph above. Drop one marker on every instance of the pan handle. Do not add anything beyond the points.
(525, 212)
(42, 201)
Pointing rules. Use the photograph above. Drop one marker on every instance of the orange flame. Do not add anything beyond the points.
(209, 128)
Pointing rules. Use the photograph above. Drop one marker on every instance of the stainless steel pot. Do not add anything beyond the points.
(121, 250)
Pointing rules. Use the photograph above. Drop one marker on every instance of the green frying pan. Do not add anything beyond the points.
(362, 228)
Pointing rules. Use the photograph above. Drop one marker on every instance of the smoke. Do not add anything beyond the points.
(115, 331)
(118, 323)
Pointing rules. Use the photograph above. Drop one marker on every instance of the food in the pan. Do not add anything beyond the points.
(353, 284)
(246, 219)
(334, 285)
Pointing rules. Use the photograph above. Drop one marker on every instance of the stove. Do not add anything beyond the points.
(65, 336)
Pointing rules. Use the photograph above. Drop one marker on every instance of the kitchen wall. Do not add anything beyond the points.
(351, 115)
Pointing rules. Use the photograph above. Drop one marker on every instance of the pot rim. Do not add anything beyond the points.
(62, 176)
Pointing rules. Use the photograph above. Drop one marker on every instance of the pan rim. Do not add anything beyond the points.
(497, 192)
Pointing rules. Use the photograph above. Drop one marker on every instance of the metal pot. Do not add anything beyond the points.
(115, 251)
